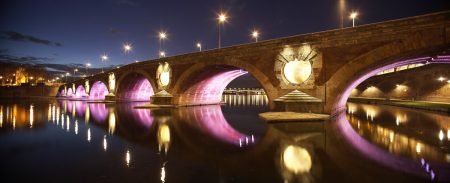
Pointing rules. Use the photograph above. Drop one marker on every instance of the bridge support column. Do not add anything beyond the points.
(161, 98)
(298, 101)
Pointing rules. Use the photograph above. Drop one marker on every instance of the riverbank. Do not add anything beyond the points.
(424, 105)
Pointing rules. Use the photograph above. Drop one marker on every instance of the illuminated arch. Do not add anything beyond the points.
(98, 91)
(135, 86)
(204, 83)
(80, 92)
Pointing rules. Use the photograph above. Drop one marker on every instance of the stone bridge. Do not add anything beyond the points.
(314, 72)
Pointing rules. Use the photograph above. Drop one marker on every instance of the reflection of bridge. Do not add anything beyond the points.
(329, 64)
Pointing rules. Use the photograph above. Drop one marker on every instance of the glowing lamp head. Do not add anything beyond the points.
(162, 35)
(441, 79)
(162, 54)
(104, 57)
(76, 70)
(88, 64)
(353, 15)
(127, 47)
(199, 45)
(222, 17)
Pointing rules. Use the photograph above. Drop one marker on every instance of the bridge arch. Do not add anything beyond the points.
(204, 82)
(69, 92)
(389, 56)
(136, 85)
(80, 92)
(98, 91)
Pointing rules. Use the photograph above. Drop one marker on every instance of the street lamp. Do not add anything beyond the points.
(67, 75)
(127, 47)
(222, 17)
(353, 15)
(75, 70)
(87, 65)
(104, 58)
(255, 35)
(162, 54)
(199, 46)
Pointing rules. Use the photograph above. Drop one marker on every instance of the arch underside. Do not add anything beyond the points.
(206, 86)
(98, 91)
(80, 92)
(69, 92)
(340, 104)
(135, 87)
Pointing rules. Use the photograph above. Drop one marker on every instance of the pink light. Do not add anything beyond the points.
(135, 88)
(142, 116)
(210, 120)
(99, 112)
(207, 87)
(80, 92)
(342, 99)
(98, 91)
(61, 93)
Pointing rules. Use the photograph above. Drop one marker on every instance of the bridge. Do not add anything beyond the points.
(311, 72)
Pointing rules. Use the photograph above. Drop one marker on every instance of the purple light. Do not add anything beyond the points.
(142, 116)
(69, 92)
(80, 92)
(207, 87)
(135, 88)
(98, 91)
(342, 99)
(371, 151)
(210, 120)
(80, 108)
(99, 112)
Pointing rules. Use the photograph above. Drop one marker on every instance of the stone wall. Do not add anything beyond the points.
(420, 83)
(27, 91)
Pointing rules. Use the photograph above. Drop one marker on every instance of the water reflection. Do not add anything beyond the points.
(245, 99)
(414, 134)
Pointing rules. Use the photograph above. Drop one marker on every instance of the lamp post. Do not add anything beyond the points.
(222, 19)
(87, 65)
(255, 35)
(353, 16)
(74, 71)
(199, 46)
(162, 36)
(104, 58)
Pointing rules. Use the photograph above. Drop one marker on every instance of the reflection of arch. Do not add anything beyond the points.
(210, 120)
(69, 92)
(61, 93)
(80, 108)
(98, 91)
(80, 92)
(135, 86)
(99, 112)
(204, 84)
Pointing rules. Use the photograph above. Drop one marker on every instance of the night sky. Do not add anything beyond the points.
(79, 31)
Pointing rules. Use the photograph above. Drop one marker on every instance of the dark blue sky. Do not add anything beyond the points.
(77, 31)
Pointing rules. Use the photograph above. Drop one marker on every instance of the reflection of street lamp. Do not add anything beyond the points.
(353, 15)
(255, 35)
(222, 19)
(199, 46)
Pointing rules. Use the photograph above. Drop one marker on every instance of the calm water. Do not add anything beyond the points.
(78, 141)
